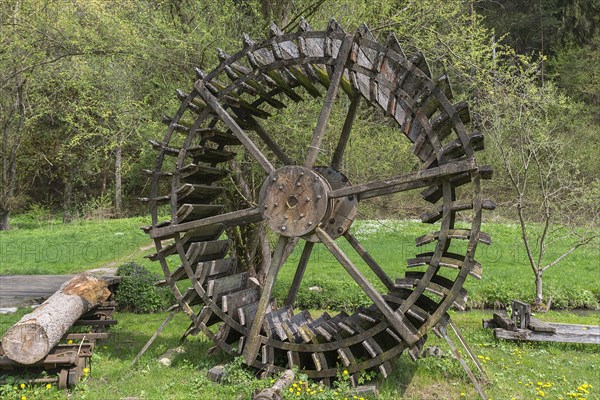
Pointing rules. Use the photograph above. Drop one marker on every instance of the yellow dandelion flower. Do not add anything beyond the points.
(69, 341)
(541, 393)
(487, 359)
(462, 394)
(23, 397)
(345, 372)
(48, 386)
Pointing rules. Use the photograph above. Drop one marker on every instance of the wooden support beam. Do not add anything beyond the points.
(253, 339)
(153, 338)
(336, 161)
(398, 320)
(266, 137)
(235, 128)
(308, 246)
(405, 182)
(245, 216)
(462, 362)
(334, 85)
(370, 261)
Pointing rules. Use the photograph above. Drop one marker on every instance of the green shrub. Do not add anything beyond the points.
(329, 295)
(137, 293)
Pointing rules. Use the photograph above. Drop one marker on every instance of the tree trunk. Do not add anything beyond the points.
(68, 198)
(538, 289)
(118, 183)
(30, 339)
(4, 220)
(275, 11)
(9, 152)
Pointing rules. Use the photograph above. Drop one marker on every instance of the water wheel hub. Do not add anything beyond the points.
(293, 200)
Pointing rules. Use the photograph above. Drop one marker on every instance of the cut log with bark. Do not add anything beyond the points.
(30, 339)
(274, 392)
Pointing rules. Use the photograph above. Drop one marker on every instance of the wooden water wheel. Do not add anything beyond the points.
(311, 202)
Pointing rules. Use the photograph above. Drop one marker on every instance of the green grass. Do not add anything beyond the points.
(513, 369)
(575, 282)
(51, 247)
(54, 248)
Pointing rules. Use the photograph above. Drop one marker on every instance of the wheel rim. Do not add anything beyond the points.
(270, 73)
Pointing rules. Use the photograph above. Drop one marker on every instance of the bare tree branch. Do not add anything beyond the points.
(572, 249)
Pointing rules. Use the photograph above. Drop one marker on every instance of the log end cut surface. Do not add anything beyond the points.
(26, 342)
(91, 289)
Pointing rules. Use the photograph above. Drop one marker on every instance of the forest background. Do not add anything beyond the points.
(84, 86)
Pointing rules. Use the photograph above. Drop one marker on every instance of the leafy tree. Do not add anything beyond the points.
(531, 129)
(16, 62)
(576, 71)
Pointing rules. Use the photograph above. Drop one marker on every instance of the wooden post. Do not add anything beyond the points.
(30, 339)
(274, 392)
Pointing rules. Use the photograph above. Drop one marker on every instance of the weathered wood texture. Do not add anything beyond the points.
(504, 322)
(523, 326)
(563, 333)
(30, 339)
(274, 392)
(313, 200)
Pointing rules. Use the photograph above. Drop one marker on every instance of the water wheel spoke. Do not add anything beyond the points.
(405, 182)
(370, 261)
(235, 128)
(253, 343)
(234, 218)
(336, 160)
(397, 319)
(334, 85)
(271, 144)
(306, 252)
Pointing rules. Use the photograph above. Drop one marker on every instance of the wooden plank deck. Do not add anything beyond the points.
(565, 333)
(26, 290)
